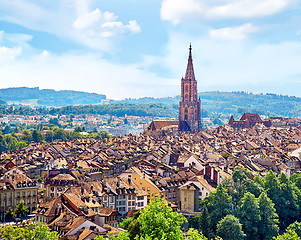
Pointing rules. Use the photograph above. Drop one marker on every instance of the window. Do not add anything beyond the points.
(140, 198)
(111, 199)
(105, 198)
(148, 189)
(129, 203)
(52, 195)
(28, 201)
(23, 194)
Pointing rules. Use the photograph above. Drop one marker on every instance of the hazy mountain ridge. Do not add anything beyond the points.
(215, 102)
(50, 97)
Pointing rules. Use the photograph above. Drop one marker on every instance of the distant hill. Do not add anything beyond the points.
(235, 102)
(49, 97)
(214, 103)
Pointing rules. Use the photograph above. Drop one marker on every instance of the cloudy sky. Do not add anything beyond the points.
(137, 48)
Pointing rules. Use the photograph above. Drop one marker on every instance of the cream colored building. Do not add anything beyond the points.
(13, 188)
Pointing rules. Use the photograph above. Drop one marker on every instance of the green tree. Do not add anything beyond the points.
(249, 215)
(21, 208)
(78, 129)
(33, 231)
(49, 136)
(271, 186)
(205, 222)
(159, 221)
(229, 228)
(296, 227)
(218, 204)
(37, 136)
(286, 206)
(195, 235)
(9, 214)
(40, 179)
(194, 222)
(126, 222)
(268, 224)
(289, 235)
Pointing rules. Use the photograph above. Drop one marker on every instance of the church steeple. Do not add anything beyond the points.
(190, 105)
(189, 71)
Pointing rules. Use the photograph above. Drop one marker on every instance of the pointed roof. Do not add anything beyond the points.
(189, 71)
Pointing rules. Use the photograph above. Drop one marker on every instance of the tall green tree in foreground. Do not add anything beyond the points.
(286, 205)
(158, 221)
(268, 224)
(229, 228)
(249, 215)
(218, 204)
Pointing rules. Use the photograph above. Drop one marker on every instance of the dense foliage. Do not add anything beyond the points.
(30, 232)
(262, 207)
(157, 222)
(11, 141)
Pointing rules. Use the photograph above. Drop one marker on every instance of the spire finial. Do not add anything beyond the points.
(190, 48)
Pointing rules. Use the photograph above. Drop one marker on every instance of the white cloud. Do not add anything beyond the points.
(9, 53)
(182, 10)
(233, 33)
(73, 20)
(84, 72)
(177, 10)
(87, 19)
(234, 65)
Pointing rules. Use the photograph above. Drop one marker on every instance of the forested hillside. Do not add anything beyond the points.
(214, 103)
(237, 102)
(49, 97)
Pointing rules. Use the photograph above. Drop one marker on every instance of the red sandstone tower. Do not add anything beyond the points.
(190, 104)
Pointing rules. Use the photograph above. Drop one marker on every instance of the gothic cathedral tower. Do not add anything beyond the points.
(190, 104)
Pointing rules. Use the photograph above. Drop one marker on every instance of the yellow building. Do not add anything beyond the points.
(13, 188)
(187, 198)
(142, 180)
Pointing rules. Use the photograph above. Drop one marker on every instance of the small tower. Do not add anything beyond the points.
(190, 104)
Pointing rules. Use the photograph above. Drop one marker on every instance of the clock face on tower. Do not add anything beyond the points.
(190, 106)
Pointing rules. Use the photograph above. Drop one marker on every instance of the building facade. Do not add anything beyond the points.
(190, 104)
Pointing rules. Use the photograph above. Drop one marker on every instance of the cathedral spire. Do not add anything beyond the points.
(189, 70)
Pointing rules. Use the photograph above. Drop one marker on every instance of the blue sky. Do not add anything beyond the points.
(131, 48)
